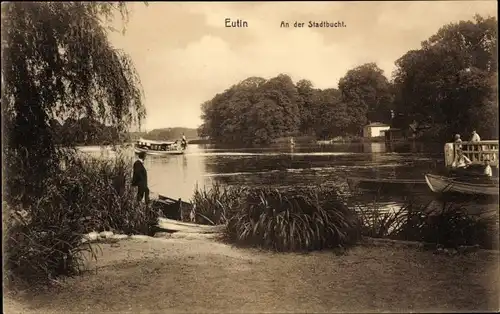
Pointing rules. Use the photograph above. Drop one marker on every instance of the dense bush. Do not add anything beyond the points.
(102, 188)
(450, 226)
(88, 195)
(43, 246)
(319, 218)
(305, 219)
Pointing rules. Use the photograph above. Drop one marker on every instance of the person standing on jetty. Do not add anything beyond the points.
(458, 141)
(140, 178)
(475, 137)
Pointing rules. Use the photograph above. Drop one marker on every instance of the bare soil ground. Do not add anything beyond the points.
(200, 275)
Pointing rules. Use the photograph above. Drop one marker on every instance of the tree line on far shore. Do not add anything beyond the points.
(87, 131)
(165, 134)
(448, 85)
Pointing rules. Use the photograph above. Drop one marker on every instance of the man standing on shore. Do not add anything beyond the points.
(140, 178)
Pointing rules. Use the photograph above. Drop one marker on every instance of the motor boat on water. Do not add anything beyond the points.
(159, 148)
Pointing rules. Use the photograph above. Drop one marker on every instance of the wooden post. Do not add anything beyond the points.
(180, 210)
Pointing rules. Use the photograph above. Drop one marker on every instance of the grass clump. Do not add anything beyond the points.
(298, 220)
(321, 218)
(377, 222)
(215, 205)
(43, 247)
(448, 224)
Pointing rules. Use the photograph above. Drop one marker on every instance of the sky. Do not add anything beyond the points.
(185, 55)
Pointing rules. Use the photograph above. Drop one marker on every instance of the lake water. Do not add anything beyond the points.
(314, 165)
(283, 166)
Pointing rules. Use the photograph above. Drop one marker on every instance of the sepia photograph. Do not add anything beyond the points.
(250, 157)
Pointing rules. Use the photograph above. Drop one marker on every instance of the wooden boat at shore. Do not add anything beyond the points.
(171, 208)
(187, 227)
(173, 214)
(158, 148)
(441, 184)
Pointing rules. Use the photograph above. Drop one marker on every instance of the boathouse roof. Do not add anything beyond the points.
(376, 124)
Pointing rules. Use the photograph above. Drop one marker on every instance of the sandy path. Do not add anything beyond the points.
(178, 275)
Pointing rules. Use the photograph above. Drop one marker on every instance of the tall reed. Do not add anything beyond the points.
(295, 220)
(445, 223)
(215, 205)
(450, 225)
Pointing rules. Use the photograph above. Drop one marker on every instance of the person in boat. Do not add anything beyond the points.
(140, 178)
(487, 169)
(461, 161)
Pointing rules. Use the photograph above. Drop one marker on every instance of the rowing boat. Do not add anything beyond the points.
(440, 184)
(171, 208)
(173, 211)
(385, 180)
(383, 184)
(186, 227)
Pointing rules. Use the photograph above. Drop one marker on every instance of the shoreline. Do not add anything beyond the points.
(107, 237)
(199, 275)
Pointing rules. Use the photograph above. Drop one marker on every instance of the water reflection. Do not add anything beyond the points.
(374, 148)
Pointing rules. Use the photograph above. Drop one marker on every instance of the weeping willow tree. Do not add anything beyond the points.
(58, 63)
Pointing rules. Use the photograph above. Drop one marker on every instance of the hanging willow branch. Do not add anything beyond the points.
(58, 63)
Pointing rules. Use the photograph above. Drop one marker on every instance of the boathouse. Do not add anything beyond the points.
(375, 129)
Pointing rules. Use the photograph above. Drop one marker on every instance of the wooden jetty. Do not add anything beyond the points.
(469, 180)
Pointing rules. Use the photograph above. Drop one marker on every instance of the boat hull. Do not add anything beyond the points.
(384, 185)
(440, 184)
(158, 152)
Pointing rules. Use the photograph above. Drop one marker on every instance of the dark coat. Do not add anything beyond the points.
(140, 175)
